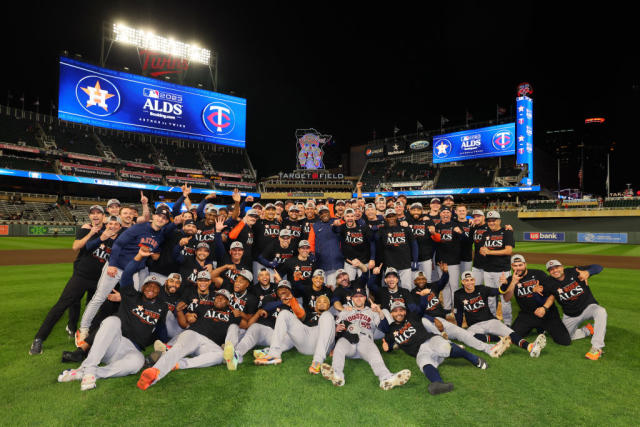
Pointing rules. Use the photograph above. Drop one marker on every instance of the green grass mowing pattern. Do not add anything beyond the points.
(579, 248)
(559, 388)
(21, 243)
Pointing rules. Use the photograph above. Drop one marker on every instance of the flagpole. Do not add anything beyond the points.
(608, 182)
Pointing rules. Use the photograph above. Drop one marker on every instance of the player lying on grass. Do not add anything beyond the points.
(407, 332)
(356, 341)
(535, 300)
(200, 345)
(313, 337)
(573, 293)
(121, 339)
(471, 302)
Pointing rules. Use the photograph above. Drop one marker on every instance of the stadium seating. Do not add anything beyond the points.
(72, 138)
(17, 131)
(129, 146)
(226, 161)
(27, 164)
(464, 176)
(626, 202)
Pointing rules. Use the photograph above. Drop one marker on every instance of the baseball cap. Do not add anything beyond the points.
(370, 206)
(210, 209)
(477, 212)
(340, 272)
(115, 218)
(493, 215)
(204, 245)
(445, 208)
(257, 206)
(416, 205)
(323, 208)
(359, 290)
(285, 232)
(379, 197)
(397, 304)
(163, 210)
(466, 275)
(319, 272)
(279, 203)
(419, 275)
(98, 207)
(188, 222)
(517, 258)
(391, 270)
(152, 279)
(293, 208)
(284, 284)
(269, 206)
(113, 202)
(246, 274)
(225, 293)
(236, 245)
(304, 243)
(310, 204)
(553, 263)
(349, 211)
(253, 212)
(204, 274)
(448, 197)
(175, 276)
(434, 200)
(389, 212)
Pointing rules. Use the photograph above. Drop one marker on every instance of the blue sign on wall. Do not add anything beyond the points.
(543, 236)
(524, 131)
(99, 97)
(602, 237)
(445, 191)
(476, 143)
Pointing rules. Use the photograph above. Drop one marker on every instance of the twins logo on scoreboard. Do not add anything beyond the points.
(502, 140)
(98, 96)
(218, 118)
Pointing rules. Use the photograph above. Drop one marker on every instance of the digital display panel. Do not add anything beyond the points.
(491, 141)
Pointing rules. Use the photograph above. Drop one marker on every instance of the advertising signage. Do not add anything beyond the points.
(491, 141)
(100, 97)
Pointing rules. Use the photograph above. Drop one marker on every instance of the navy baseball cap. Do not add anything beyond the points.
(163, 210)
(189, 222)
(359, 290)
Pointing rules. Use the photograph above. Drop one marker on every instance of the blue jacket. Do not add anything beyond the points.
(128, 243)
(325, 244)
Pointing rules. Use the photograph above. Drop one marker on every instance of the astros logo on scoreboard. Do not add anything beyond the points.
(443, 148)
(218, 118)
(98, 96)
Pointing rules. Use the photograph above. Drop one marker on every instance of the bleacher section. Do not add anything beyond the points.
(27, 164)
(72, 138)
(17, 130)
(32, 208)
(622, 202)
(128, 146)
(464, 176)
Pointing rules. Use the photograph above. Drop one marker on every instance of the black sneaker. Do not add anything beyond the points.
(482, 364)
(36, 347)
(76, 356)
(439, 388)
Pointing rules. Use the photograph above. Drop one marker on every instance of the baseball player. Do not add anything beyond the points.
(265, 287)
(207, 329)
(407, 332)
(449, 237)
(310, 294)
(298, 268)
(570, 288)
(94, 246)
(471, 302)
(277, 251)
(360, 324)
(294, 223)
(478, 228)
(243, 304)
(243, 233)
(342, 295)
(260, 326)
(381, 205)
(385, 295)
(497, 249)
(267, 231)
(120, 339)
(190, 266)
(356, 242)
(371, 217)
(397, 248)
(537, 309)
(423, 227)
(325, 245)
(466, 244)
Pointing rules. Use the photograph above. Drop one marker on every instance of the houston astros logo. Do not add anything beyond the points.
(443, 148)
(218, 118)
(98, 96)
(502, 140)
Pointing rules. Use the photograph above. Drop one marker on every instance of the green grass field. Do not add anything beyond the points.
(559, 388)
(21, 243)
(579, 248)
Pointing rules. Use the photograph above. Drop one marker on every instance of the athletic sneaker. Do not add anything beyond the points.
(594, 353)
(482, 364)
(498, 349)
(538, 345)
(314, 368)
(327, 372)
(589, 327)
(76, 356)
(81, 335)
(70, 375)
(230, 356)
(269, 360)
(88, 382)
(36, 347)
(147, 378)
(69, 331)
(398, 379)
(439, 388)
(261, 353)
(159, 346)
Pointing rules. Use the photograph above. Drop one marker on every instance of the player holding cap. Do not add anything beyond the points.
(208, 327)
(407, 332)
(359, 325)
(570, 288)
(471, 302)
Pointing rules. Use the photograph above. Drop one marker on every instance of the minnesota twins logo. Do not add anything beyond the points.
(443, 148)
(502, 140)
(98, 96)
(218, 118)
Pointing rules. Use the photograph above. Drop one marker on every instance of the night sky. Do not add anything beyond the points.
(346, 72)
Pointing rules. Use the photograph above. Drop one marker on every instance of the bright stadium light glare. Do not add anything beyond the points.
(148, 40)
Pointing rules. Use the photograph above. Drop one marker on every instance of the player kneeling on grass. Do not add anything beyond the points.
(313, 337)
(407, 332)
(120, 339)
(570, 288)
(471, 302)
(357, 326)
(207, 330)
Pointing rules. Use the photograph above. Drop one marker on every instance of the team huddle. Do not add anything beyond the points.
(207, 286)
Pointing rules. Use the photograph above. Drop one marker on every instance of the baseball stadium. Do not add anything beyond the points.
(155, 266)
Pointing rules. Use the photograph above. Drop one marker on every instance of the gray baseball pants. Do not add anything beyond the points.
(309, 340)
(189, 343)
(599, 316)
(492, 280)
(366, 350)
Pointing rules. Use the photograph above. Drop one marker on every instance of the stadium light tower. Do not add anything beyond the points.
(147, 41)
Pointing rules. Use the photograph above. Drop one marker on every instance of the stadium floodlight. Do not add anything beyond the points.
(148, 40)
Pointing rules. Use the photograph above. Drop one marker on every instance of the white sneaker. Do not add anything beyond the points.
(230, 357)
(538, 345)
(398, 379)
(498, 349)
(70, 375)
(159, 346)
(88, 382)
(327, 372)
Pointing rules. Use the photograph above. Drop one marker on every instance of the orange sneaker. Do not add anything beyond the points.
(147, 378)
(175, 368)
(594, 353)
(589, 326)
(314, 368)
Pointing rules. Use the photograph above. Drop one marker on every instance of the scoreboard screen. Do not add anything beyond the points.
(491, 141)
